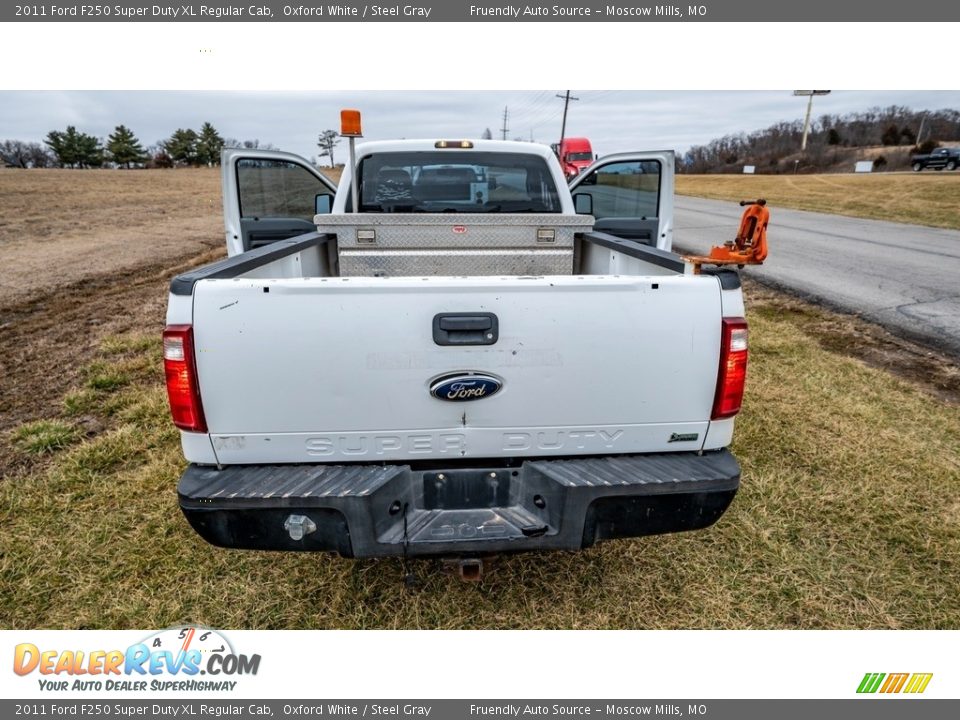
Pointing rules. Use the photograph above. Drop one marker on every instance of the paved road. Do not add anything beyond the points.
(904, 277)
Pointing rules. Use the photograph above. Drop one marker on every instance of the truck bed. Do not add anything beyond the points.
(296, 367)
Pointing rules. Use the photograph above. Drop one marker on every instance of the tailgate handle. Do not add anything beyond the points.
(465, 328)
(466, 322)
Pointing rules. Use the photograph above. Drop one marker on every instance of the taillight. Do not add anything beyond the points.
(181, 370)
(733, 368)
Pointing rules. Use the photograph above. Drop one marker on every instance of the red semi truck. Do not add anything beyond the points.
(575, 155)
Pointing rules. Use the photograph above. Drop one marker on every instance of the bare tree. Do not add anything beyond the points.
(39, 157)
(15, 153)
(327, 140)
(770, 147)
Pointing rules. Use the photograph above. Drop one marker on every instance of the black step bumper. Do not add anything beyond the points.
(377, 510)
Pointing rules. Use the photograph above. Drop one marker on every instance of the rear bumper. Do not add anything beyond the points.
(378, 511)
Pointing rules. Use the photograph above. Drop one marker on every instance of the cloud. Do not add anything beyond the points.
(614, 120)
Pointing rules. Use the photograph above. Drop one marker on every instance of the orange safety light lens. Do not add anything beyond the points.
(350, 123)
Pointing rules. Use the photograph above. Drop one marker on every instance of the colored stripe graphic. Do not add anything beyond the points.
(894, 683)
(870, 683)
(918, 682)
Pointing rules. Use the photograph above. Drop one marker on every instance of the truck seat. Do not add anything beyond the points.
(393, 185)
(445, 184)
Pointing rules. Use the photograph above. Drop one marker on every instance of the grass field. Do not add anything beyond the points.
(848, 517)
(927, 198)
(60, 226)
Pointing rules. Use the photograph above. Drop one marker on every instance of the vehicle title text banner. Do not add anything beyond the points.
(463, 11)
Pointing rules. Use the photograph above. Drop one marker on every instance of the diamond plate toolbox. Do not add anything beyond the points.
(448, 244)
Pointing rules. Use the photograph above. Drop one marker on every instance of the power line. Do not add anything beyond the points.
(533, 108)
(548, 120)
(528, 105)
(505, 129)
(600, 95)
(535, 112)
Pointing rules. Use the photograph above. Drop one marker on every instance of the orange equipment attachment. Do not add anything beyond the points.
(750, 245)
(350, 123)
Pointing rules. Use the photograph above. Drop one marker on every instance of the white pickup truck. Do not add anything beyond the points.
(475, 359)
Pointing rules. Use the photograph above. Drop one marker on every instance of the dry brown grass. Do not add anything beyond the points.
(58, 227)
(927, 198)
(333, 173)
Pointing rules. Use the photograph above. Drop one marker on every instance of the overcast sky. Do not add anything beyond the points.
(614, 120)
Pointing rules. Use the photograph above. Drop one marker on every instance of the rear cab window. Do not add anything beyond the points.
(456, 181)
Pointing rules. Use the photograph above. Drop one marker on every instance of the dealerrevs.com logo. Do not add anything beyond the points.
(172, 659)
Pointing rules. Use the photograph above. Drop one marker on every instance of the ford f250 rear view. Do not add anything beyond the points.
(460, 357)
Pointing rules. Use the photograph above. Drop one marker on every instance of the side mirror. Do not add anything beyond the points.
(583, 203)
(323, 204)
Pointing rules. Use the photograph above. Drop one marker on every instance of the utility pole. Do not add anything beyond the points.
(566, 103)
(806, 121)
(505, 129)
(920, 131)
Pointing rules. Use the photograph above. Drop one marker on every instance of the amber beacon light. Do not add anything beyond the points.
(350, 123)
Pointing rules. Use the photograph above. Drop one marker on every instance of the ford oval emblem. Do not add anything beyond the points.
(465, 386)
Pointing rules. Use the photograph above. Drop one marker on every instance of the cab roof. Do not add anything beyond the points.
(425, 145)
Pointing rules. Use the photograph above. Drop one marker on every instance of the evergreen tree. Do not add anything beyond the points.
(123, 148)
(182, 147)
(91, 151)
(58, 146)
(61, 147)
(209, 145)
(75, 149)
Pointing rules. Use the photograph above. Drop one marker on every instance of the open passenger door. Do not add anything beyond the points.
(630, 195)
(270, 195)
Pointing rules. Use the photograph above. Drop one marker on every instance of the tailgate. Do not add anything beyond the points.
(341, 370)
